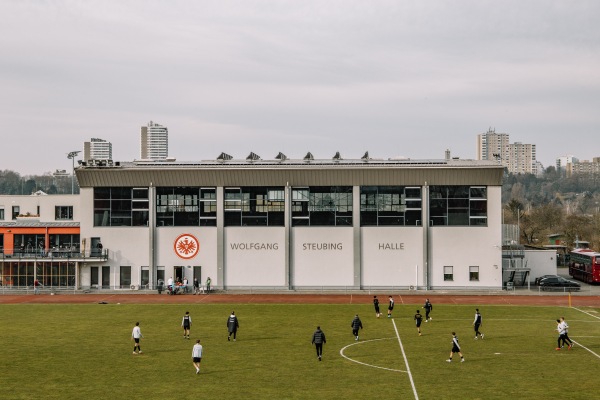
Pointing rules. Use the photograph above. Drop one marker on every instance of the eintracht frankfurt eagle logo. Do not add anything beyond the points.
(186, 246)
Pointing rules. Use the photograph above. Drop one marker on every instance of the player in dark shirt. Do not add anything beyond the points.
(376, 305)
(418, 320)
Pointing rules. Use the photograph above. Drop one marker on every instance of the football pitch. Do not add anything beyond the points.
(85, 351)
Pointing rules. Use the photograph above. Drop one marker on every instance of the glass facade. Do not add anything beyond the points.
(254, 206)
(63, 212)
(390, 205)
(458, 205)
(120, 206)
(322, 206)
(186, 206)
(50, 274)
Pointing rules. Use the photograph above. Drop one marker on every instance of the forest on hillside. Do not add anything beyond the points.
(541, 205)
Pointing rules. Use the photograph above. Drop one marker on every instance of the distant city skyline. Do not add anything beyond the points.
(396, 79)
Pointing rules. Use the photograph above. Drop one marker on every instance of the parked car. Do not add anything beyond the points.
(539, 278)
(559, 283)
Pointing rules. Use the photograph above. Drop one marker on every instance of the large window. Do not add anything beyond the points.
(390, 205)
(186, 206)
(63, 212)
(120, 206)
(458, 205)
(322, 206)
(125, 277)
(254, 206)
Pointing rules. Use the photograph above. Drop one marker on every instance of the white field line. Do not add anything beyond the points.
(412, 382)
(362, 363)
(579, 344)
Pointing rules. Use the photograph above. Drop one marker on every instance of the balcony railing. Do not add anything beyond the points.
(53, 254)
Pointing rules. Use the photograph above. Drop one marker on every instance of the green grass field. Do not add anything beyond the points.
(84, 351)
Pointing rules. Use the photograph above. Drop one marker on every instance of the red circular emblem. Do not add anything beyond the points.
(186, 246)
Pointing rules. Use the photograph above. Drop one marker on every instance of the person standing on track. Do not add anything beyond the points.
(455, 349)
(376, 305)
(318, 339)
(136, 335)
(477, 322)
(390, 306)
(186, 323)
(418, 320)
(356, 324)
(197, 355)
(428, 307)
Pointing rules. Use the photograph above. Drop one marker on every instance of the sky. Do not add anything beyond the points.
(394, 78)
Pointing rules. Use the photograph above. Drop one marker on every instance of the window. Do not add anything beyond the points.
(120, 206)
(473, 273)
(186, 206)
(458, 205)
(1, 214)
(63, 212)
(448, 273)
(125, 277)
(16, 210)
(254, 206)
(390, 205)
(322, 206)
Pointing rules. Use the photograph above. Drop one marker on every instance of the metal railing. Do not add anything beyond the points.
(51, 254)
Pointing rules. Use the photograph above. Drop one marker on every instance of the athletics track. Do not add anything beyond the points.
(561, 300)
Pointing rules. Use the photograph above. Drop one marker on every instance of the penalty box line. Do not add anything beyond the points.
(412, 382)
(579, 344)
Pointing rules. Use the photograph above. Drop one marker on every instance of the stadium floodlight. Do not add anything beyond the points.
(71, 156)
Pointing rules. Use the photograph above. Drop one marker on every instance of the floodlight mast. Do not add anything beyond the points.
(71, 155)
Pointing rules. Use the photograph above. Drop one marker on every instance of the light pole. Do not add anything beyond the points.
(72, 156)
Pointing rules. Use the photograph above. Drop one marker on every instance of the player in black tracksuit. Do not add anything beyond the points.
(418, 320)
(318, 340)
(428, 307)
(356, 324)
(390, 306)
(477, 322)
(376, 305)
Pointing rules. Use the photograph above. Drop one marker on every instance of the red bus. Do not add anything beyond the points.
(584, 265)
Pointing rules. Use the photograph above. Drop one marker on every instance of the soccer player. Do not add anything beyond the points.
(136, 335)
(376, 305)
(428, 307)
(566, 338)
(455, 348)
(232, 326)
(197, 355)
(477, 322)
(186, 323)
(390, 306)
(318, 340)
(356, 324)
(418, 320)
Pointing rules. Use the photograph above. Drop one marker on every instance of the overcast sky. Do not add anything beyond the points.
(396, 78)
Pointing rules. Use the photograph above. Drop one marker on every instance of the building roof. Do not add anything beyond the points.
(38, 224)
(255, 171)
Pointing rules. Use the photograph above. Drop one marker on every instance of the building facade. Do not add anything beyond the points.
(492, 145)
(279, 224)
(517, 158)
(154, 142)
(97, 149)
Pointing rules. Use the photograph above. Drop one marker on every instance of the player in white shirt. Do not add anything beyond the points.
(197, 355)
(136, 335)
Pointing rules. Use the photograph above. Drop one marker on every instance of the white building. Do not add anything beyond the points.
(97, 149)
(518, 158)
(154, 142)
(265, 224)
(492, 145)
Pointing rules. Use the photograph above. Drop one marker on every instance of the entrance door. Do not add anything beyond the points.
(198, 273)
(105, 277)
(178, 274)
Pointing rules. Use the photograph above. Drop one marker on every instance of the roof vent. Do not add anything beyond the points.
(253, 157)
(366, 156)
(337, 156)
(308, 157)
(281, 157)
(224, 157)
